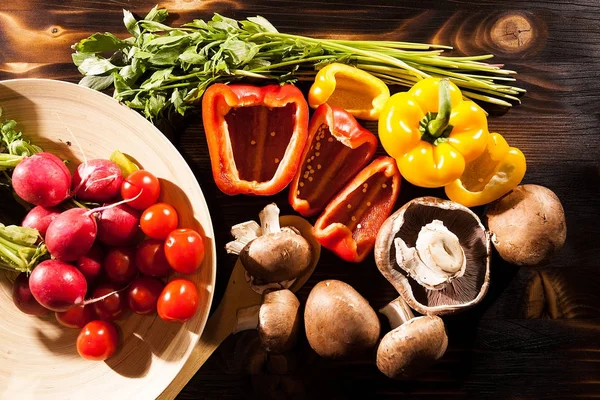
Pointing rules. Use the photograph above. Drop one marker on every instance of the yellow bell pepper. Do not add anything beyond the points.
(432, 133)
(356, 91)
(498, 170)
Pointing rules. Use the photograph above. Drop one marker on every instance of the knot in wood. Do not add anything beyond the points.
(513, 33)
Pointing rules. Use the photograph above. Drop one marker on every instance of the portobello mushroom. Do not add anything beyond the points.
(436, 253)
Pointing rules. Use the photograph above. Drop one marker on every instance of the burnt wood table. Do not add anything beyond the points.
(536, 334)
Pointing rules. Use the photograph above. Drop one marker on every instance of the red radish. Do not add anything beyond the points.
(42, 179)
(97, 180)
(118, 225)
(23, 298)
(111, 307)
(40, 218)
(57, 286)
(119, 265)
(90, 264)
(75, 317)
(71, 235)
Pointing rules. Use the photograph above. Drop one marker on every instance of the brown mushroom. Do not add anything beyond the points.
(528, 225)
(413, 344)
(273, 256)
(277, 319)
(436, 253)
(339, 322)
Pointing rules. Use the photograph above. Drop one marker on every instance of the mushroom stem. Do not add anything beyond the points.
(439, 248)
(397, 312)
(269, 219)
(437, 258)
(247, 318)
(243, 233)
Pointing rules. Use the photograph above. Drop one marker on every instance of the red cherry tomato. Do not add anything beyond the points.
(112, 307)
(150, 258)
(144, 182)
(184, 249)
(159, 220)
(143, 294)
(178, 301)
(97, 340)
(119, 264)
(76, 317)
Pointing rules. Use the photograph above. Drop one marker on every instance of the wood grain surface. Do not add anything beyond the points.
(535, 335)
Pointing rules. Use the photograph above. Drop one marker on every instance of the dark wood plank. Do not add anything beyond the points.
(534, 336)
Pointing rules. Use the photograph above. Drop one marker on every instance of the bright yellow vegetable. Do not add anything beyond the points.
(497, 171)
(432, 133)
(350, 88)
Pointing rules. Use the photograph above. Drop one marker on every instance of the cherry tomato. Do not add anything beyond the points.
(119, 264)
(97, 340)
(76, 317)
(112, 307)
(143, 294)
(144, 182)
(178, 301)
(159, 220)
(150, 258)
(184, 249)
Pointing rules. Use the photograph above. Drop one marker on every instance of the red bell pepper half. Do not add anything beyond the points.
(349, 225)
(256, 136)
(338, 147)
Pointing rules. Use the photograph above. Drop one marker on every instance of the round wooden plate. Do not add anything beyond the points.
(38, 358)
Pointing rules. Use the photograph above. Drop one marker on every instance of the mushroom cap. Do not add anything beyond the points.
(528, 225)
(279, 320)
(412, 347)
(462, 292)
(339, 322)
(276, 257)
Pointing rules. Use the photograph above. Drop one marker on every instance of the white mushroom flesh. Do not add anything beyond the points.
(243, 233)
(437, 258)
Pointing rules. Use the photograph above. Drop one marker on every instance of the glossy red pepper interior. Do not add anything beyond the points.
(259, 137)
(360, 211)
(326, 168)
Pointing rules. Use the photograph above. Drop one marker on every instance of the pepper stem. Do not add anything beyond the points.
(438, 125)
